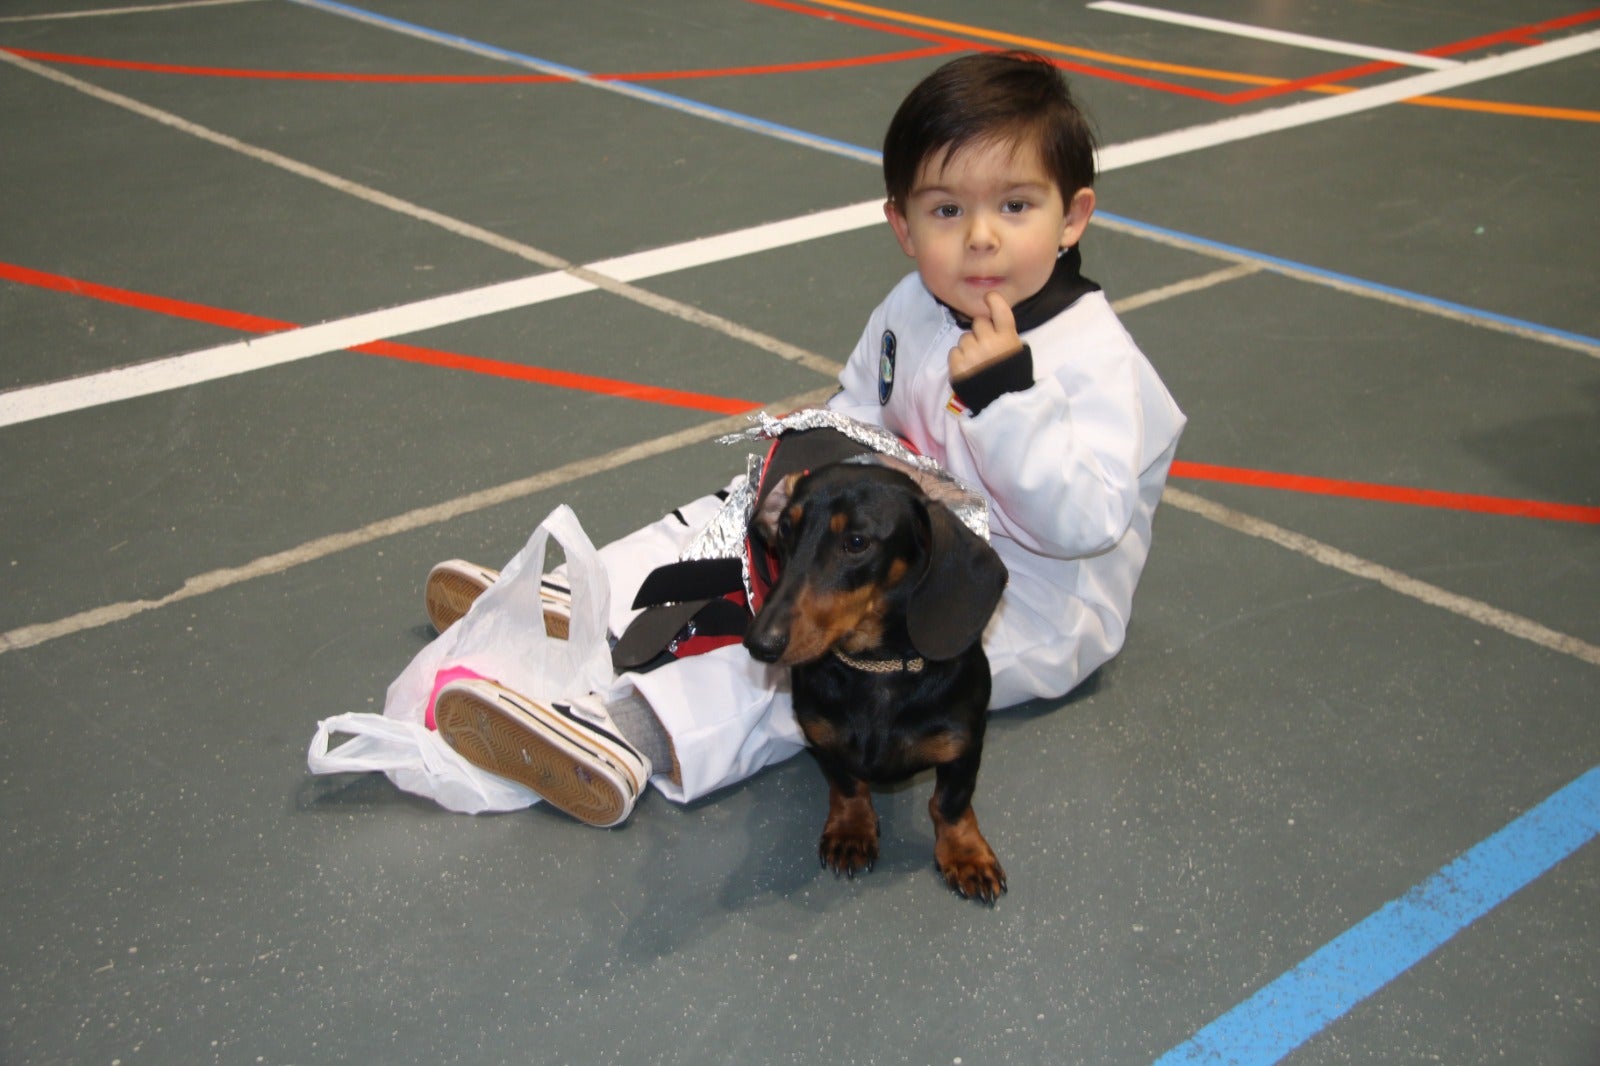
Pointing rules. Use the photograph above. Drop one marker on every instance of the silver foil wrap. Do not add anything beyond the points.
(724, 536)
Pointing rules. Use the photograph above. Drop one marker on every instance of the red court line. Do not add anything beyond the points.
(1361, 490)
(238, 320)
(969, 44)
(807, 66)
(247, 323)
(1524, 35)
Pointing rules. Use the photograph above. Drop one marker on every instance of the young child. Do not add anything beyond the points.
(997, 359)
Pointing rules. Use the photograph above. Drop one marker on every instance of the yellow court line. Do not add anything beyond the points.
(1567, 114)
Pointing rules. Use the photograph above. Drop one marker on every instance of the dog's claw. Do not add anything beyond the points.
(983, 883)
(848, 855)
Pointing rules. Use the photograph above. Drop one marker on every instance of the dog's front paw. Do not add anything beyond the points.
(965, 860)
(850, 837)
(973, 876)
(849, 852)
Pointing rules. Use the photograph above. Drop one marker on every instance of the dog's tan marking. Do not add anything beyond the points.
(939, 748)
(851, 620)
(965, 859)
(819, 734)
(850, 837)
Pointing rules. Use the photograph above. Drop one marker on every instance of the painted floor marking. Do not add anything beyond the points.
(435, 514)
(1405, 496)
(638, 92)
(1372, 290)
(675, 308)
(285, 342)
(1506, 622)
(1276, 120)
(1362, 960)
(1261, 33)
(372, 77)
(140, 10)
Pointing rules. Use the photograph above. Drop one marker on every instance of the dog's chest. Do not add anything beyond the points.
(885, 730)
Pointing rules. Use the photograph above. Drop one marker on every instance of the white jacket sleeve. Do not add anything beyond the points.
(1061, 460)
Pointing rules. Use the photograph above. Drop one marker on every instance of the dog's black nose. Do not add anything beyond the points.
(766, 643)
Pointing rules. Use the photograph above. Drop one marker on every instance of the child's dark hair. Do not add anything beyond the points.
(1009, 97)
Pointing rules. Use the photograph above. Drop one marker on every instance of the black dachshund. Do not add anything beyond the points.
(878, 609)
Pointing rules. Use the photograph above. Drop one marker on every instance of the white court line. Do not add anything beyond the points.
(1258, 123)
(1514, 625)
(141, 10)
(257, 353)
(1261, 33)
(215, 580)
(615, 274)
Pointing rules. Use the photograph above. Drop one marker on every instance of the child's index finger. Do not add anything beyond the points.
(999, 311)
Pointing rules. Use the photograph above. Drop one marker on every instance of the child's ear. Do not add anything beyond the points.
(902, 229)
(1079, 210)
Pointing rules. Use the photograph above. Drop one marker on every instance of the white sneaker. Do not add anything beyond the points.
(454, 585)
(571, 755)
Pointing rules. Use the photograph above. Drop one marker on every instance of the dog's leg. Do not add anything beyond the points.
(850, 837)
(964, 858)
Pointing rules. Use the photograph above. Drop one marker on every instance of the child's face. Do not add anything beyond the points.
(989, 219)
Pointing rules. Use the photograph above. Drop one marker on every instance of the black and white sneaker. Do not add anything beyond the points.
(570, 754)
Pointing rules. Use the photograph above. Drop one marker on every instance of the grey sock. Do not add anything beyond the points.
(640, 727)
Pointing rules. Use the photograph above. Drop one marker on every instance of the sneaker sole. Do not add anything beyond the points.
(538, 748)
(449, 594)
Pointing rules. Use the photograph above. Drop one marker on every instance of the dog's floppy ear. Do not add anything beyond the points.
(959, 589)
(765, 519)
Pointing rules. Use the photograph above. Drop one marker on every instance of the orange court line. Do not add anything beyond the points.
(1269, 85)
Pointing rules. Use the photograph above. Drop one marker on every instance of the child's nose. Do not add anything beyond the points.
(981, 232)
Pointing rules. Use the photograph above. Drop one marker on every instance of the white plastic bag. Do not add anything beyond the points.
(502, 637)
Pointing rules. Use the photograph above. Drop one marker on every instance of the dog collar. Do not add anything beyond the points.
(881, 666)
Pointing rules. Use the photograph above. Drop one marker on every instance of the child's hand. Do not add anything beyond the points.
(990, 339)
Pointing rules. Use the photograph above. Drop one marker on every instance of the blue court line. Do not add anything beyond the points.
(641, 92)
(1349, 281)
(1327, 984)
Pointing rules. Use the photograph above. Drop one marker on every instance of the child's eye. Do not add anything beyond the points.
(1014, 207)
(946, 211)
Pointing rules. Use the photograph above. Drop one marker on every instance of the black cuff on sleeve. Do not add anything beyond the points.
(1014, 373)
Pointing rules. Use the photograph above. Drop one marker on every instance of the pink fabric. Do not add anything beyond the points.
(440, 680)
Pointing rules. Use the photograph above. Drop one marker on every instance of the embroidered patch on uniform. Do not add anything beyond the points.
(886, 367)
(955, 406)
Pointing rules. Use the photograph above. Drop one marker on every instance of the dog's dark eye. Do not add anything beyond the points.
(785, 526)
(854, 543)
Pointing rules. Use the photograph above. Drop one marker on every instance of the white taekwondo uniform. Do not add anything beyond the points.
(1072, 457)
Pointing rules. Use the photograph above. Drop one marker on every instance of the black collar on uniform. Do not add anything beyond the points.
(1065, 287)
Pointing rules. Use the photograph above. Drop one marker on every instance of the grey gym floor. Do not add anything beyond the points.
(1326, 699)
